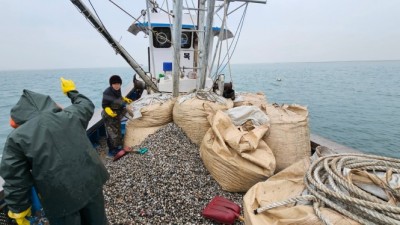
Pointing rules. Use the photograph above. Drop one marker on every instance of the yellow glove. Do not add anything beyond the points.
(127, 100)
(20, 217)
(67, 85)
(109, 112)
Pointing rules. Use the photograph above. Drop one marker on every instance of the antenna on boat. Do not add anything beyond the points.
(117, 47)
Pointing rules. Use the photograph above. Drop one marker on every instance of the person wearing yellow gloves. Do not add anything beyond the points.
(113, 104)
(49, 150)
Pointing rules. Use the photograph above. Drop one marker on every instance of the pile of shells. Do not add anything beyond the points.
(166, 185)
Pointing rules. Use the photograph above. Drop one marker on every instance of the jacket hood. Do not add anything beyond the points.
(30, 105)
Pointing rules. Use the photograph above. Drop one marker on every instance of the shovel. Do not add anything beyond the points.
(222, 210)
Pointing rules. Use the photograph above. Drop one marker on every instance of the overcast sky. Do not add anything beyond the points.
(52, 34)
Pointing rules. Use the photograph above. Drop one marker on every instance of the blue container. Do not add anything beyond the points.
(167, 66)
(36, 206)
(123, 126)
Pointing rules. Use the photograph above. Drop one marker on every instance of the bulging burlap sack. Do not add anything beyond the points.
(189, 113)
(289, 135)
(136, 135)
(280, 187)
(150, 113)
(236, 159)
(250, 99)
(153, 110)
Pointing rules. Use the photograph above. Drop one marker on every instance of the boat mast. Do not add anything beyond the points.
(152, 67)
(207, 43)
(117, 47)
(200, 41)
(176, 38)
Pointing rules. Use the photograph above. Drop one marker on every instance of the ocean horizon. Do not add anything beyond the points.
(233, 64)
(354, 103)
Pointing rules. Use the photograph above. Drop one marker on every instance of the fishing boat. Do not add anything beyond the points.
(185, 54)
(173, 67)
(192, 62)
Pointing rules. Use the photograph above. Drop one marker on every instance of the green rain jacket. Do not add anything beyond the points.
(51, 151)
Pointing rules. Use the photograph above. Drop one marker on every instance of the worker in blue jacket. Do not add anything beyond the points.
(49, 150)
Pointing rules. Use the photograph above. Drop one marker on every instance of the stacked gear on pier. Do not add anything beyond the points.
(190, 115)
(289, 136)
(237, 159)
(332, 189)
(150, 113)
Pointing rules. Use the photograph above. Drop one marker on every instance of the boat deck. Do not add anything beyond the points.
(315, 142)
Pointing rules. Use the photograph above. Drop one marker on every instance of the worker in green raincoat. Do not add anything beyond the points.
(49, 149)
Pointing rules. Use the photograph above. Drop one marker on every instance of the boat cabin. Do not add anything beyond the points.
(161, 51)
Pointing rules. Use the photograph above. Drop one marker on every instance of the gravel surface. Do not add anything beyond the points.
(167, 185)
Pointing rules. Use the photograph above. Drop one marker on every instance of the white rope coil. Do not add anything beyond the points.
(326, 181)
(328, 185)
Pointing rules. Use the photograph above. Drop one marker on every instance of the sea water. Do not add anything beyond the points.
(356, 104)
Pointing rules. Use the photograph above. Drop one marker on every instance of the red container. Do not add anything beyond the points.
(222, 210)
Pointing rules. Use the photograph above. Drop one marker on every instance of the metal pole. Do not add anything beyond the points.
(200, 41)
(152, 68)
(207, 43)
(117, 47)
(176, 38)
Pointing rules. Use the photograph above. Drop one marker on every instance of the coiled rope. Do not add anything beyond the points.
(326, 181)
(328, 185)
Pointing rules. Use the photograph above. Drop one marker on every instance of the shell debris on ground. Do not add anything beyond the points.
(167, 185)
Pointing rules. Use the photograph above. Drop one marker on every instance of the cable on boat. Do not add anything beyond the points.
(123, 10)
(220, 38)
(236, 37)
(98, 17)
(329, 184)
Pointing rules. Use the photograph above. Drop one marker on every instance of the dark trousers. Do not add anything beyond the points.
(113, 131)
(92, 214)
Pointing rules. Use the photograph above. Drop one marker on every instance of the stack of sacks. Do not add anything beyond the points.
(289, 135)
(237, 159)
(190, 113)
(150, 113)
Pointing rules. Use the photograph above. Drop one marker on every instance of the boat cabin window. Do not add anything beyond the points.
(162, 37)
(186, 39)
